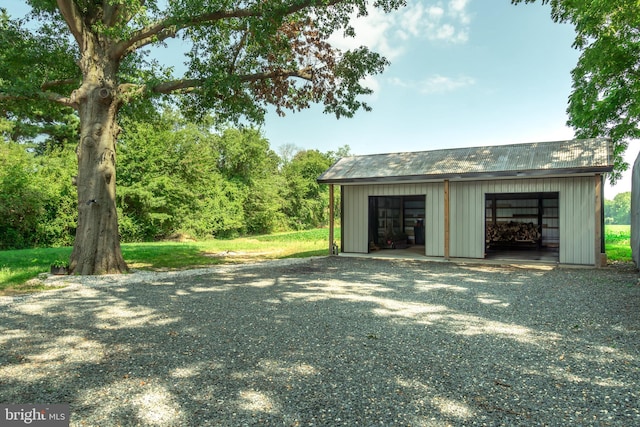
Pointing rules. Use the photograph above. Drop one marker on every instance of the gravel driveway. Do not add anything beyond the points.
(332, 341)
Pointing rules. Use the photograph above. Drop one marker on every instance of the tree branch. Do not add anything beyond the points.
(185, 85)
(111, 13)
(48, 85)
(42, 96)
(168, 28)
(72, 17)
(189, 85)
(165, 29)
(304, 73)
(238, 50)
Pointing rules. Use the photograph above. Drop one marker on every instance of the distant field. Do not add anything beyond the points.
(618, 242)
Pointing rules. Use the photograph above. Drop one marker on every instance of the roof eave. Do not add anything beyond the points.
(536, 173)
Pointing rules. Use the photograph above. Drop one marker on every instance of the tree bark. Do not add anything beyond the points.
(97, 244)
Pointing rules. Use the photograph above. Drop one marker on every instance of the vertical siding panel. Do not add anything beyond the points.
(577, 221)
(478, 219)
(346, 217)
(469, 239)
(566, 212)
(471, 220)
(434, 213)
(454, 224)
(584, 200)
(430, 220)
(576, 209)
(576, 218)
(362, 221)
(441, 209)
(355, 219)
(348, 214)
(466, 239)
(588, 207)
(523, 187)
(579, 226)
(466, 220)
(356, 216)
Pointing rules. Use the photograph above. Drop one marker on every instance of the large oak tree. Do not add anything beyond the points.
(88, 57)
(605, 101)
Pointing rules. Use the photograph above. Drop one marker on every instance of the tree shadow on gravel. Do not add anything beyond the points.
(333, 341)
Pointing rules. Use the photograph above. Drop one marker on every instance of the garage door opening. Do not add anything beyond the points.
(396, 222)
(523, 226)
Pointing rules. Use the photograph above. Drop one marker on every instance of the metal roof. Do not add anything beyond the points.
(515, 160)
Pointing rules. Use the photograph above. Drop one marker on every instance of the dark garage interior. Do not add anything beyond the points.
(396, 222)
(522, 226)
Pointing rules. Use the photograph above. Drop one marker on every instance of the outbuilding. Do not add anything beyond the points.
(537, 201)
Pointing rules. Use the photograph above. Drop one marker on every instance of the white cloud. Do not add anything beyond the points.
(435, 12)
(458, 8)
(372, 31)
(445, 21)
(435, 84)
(448, 22)
(391, 34)
(438, 84)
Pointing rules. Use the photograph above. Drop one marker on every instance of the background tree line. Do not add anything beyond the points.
(618, 210)
(174, 177)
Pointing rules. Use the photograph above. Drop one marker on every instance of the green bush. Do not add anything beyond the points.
(173, 177)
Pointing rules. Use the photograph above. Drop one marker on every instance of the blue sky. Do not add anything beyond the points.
(463, 73)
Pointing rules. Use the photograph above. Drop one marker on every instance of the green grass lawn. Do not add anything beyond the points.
(17, 267)
(617, 240)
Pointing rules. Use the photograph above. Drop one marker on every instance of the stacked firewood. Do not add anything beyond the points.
(512, 232)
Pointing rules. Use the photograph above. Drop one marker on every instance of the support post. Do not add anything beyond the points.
(331, 222)
(446, 219)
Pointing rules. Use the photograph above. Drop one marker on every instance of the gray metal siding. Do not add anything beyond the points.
(466, 223)
(577, 220)
(434, 220)
(576, 211)
(355, 231)
(467, 217)
(354, 227)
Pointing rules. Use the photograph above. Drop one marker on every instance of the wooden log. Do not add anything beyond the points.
(512, 232)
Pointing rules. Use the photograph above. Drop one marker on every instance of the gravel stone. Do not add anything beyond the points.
(331, 341)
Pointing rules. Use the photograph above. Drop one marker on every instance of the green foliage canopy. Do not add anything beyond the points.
(89, 57)
(618, 210)
(241, 56)
(177, 177)
(37, 198)
(306, 201)
(606, 80)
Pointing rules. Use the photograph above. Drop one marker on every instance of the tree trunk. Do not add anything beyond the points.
(97, 244)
